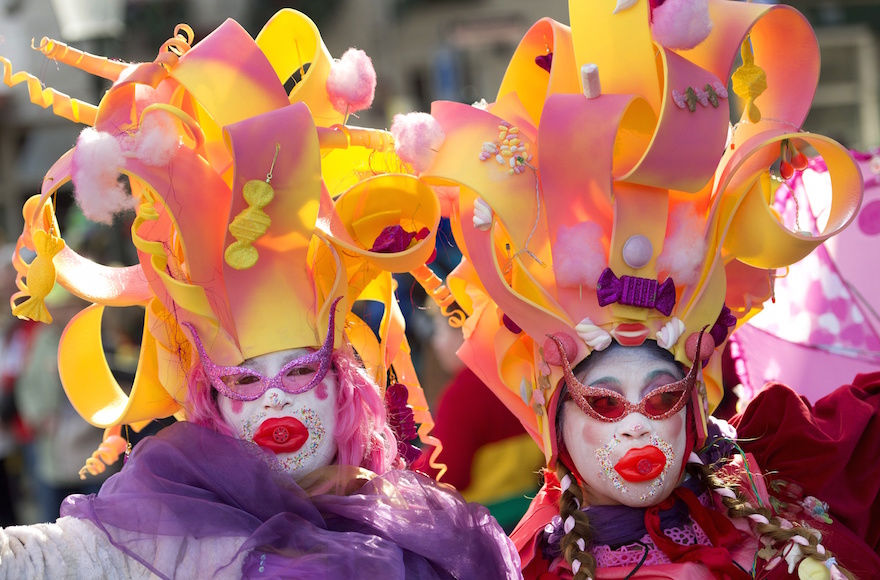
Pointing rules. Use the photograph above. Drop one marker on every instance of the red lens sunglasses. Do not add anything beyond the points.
(610, 406)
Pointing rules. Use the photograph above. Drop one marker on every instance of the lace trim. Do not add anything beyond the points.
(631, 554)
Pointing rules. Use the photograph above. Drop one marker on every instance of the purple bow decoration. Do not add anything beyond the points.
(635, 291)
(726, 320)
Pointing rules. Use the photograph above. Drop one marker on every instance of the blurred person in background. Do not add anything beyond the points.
(16, 337)
(489, 457)
(61, 438)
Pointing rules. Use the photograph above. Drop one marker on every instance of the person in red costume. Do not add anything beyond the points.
(705, 525)
(616, 229)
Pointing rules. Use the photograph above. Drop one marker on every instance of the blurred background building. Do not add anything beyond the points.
(423, 50)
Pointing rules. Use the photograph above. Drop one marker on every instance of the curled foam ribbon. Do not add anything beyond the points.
(393, 350)
(74, 109)
(744, 224)
(62, 105)
(180, 43)
(100, 66)
(108, 452)
(439, 293)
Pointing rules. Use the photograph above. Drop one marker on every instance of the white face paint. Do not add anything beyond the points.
(285, 415)
(647, 453)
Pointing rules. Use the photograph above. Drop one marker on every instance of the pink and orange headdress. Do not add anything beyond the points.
(257, 208)
(605, 196)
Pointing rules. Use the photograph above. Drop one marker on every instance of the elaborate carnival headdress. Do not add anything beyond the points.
(604, 195)
(257, 208)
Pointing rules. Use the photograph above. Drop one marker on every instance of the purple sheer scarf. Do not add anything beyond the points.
(191, 484)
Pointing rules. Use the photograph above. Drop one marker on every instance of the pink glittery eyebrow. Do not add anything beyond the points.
(216, 372)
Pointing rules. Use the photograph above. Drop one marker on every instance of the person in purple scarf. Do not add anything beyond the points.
(290, 456)
(286, 468)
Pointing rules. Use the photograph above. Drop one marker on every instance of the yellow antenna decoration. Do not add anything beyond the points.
(749, 81)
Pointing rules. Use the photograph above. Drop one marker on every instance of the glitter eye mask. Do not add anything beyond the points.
(287, 380)
(610, 406)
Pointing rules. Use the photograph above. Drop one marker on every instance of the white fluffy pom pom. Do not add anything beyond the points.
(578, 255)
(351, 83)
(95, 173)
(416, 138)
(681, 24)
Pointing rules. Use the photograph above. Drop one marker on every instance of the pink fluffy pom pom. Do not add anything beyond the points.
(95, 173)
(416, 138)
(157, 140)
(351, 83)
(681, 24)
(684, 248)
(579, 255)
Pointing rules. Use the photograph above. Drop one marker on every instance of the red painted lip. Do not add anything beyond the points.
(281, 435)
(642, 464)
(630, 333)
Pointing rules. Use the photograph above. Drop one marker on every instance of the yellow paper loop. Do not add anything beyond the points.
(89, 382)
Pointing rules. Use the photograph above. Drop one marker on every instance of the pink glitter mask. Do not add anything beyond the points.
(610, 406)
(297, 376)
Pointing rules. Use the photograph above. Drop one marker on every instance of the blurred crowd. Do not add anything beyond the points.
(43, 441)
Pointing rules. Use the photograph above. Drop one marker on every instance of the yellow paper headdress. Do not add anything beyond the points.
(259, 211)
(604, 199)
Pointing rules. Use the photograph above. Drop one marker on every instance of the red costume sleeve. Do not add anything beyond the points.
(468, 416)
(831, 449)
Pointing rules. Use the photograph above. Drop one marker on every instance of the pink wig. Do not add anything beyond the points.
(362, 432)
(363, 437)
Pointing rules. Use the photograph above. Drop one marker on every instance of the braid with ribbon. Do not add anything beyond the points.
(799, 542)
(576, 525)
